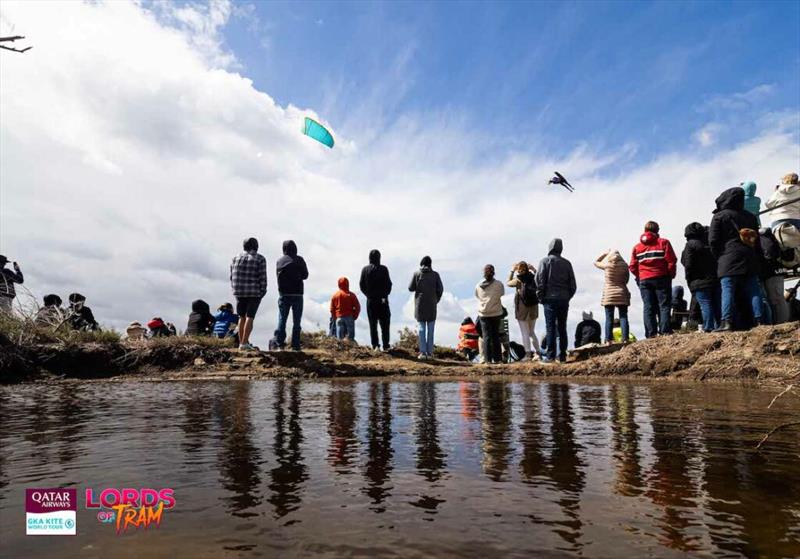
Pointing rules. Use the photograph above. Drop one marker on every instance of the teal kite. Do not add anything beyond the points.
(314, 129)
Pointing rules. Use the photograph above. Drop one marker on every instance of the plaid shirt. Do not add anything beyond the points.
(249, 275)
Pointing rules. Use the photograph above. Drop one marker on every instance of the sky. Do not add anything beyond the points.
(141, 142)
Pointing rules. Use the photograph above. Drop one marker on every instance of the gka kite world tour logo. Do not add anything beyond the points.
(130, 508)
(50, 512)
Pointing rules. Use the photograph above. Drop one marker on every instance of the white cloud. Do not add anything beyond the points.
(133, 161)
(707, 135)
(739, 100)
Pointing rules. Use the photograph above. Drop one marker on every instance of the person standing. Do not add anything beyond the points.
(770, 279)
(345, 308)
(615, 292)
(752, 203)
(653, 264)
(700, 269)
(526, 306)
(733, 237)
(292, 271)
(7, 280)
(490, 312)
(249, 284)
(555, 286)
(428, 290)
(376, 285)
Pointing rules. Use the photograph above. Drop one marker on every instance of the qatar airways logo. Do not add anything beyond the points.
(50, 511)
(130, 508)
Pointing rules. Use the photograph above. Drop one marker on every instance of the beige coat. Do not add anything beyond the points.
(488, 295)
(615, 288)
(521, 311)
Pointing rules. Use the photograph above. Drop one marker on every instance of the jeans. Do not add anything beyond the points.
(526, 328)
(426, 337)
(378, 312)
(346, 328)
(774, 289)
(657, 301)
(709, 302)
(490, 326)
(623, 323)
(748, 286)
(285, 304)
(555, 320)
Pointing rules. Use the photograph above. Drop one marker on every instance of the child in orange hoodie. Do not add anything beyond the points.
(345, 309)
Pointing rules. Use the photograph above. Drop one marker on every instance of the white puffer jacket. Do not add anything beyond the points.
(784, 193)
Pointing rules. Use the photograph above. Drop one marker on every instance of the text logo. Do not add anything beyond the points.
(50, 512)
(130, 508)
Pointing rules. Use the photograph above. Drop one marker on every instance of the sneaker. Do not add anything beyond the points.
(246, 347)
(422, 357)
(545, 359)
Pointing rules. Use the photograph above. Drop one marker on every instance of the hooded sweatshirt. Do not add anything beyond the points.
(428, 290)
(291, 270)
(615, 287)
(752, 203)
(653, 258)
(375, 283)
(200, 319)
(587, 331)
(489, 293)
(734, 258)
(782, 194)
(344, 302)
(468, 336)
(699, 264)
(555, 279)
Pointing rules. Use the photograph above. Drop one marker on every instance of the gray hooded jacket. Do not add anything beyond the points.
(427, 288)
(555, 280)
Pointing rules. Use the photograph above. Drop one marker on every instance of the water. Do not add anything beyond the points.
(393, 468)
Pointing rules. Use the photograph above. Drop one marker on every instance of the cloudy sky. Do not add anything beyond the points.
(140, 142)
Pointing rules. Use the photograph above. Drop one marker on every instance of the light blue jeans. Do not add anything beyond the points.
(346, 328)
(426, 337)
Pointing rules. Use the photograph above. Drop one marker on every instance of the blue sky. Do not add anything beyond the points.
(542, 76)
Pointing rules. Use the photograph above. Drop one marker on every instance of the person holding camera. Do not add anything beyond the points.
(7, 280)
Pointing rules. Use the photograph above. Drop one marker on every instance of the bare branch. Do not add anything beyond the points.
(788, 389)
(775, 430)
(14, 38)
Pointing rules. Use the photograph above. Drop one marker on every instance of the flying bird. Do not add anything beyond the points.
(559, 179)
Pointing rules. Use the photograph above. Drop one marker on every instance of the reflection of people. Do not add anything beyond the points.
(7, 280)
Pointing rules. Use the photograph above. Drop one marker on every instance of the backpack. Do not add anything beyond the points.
(516, 351)
(528, 292)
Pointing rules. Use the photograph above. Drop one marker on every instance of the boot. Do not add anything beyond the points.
(725, 326)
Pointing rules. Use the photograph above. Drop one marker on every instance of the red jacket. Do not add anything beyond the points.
(652, 258)
(344, 302)
(465, 342)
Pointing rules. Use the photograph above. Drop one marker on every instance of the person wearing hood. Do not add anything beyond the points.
(345, 308)
(700, 271)
(615, 291)
(249, 285)
(7, 280)
(771, 281)
(426, 285)
(680, 308)
(526, 306)
(376, 285)
(80, 317)
(752, 203)
(468, 339)
(292, 271)
(225, 321)
(51, 314)
(158, 328)
(201, 321)
(555, 286)
(733, 237)
(588, 331)
(653, 264)
(135, 331)
(787, 196)
(490, 312)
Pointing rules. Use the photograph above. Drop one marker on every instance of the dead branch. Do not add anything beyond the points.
(788, 389)
(775, 430)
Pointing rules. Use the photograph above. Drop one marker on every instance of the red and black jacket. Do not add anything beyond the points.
(652, 258)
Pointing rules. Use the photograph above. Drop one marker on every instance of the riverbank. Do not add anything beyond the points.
(765, 354)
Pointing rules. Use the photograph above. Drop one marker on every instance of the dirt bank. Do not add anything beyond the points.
(765, 354)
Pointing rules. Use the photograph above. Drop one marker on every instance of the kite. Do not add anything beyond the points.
(559, 179)
(314, 129)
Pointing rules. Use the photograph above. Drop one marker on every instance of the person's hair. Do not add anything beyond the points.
(3, 260)
(225, 307)
(791, 178)
(651, 226)
(426, 261)
(523, 265)
(250, 244)
(488, 271)
(52, 299)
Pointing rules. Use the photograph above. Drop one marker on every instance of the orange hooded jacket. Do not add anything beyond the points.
(344, 302)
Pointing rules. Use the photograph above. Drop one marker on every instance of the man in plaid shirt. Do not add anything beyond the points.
(249, 284)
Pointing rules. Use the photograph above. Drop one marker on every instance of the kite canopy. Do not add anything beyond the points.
(315, 130)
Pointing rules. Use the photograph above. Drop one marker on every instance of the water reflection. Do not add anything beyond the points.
(626, 441)
(288, 476)
(496, 426)
(342, 427)
(379, 445)
(430, 457)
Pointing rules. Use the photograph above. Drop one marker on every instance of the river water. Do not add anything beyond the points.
(477, 468)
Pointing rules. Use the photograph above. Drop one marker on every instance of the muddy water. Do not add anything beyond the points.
(388, 468)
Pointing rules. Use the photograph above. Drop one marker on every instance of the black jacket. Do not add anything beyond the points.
(734, 258)
(698, 261)
(375, 282)
(555, 279)
(291, 270)
(770, 254)
(587, 332)
(428, 290)
(82, 319)
(201, 321)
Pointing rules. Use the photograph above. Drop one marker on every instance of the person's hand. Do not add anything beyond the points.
(16, 266)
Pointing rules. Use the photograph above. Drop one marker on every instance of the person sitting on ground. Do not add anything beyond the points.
(51, 314)
(468, 339)
(752, 203)
(225, 322)
(793, 302)
(771, 280)
(7, 280)
(249, 285)
(376, 285)
(700, 269)
(787, 196)
(201, 320)
(158, 328)
(733, 237)
(346, 308)
(490, 312)
(653, 264)
(680, 308)
(588, 331)
(526, 306)
(615, 290)
(135, 331)
(555, 286)
(426, 285)
(80, 317)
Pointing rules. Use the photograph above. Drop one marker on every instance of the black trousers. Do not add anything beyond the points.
(491, 333)
(378, 312)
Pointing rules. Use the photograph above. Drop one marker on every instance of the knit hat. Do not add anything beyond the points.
(588, 315)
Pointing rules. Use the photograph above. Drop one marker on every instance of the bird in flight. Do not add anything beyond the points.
(559, 179)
